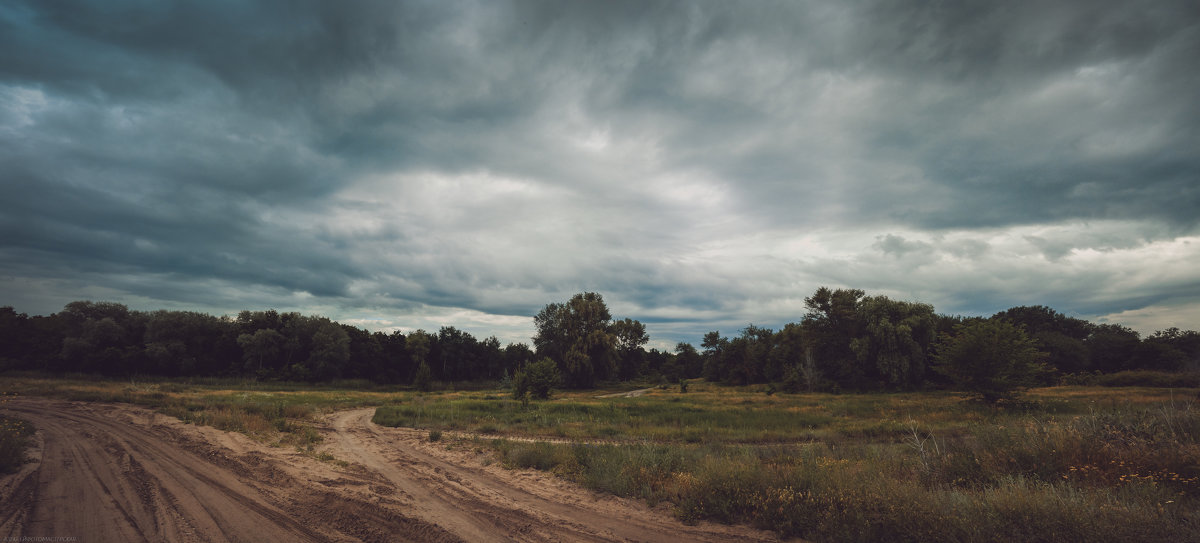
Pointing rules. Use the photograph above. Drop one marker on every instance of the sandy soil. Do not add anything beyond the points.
(121, 473)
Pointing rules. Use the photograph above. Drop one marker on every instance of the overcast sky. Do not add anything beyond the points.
(703, 165)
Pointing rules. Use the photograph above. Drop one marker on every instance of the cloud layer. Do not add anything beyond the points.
(703, 165)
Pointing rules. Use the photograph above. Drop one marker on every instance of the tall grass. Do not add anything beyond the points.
(1111, 476)
(1068, 464)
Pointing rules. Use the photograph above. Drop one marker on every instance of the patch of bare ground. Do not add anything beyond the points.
(121, 473)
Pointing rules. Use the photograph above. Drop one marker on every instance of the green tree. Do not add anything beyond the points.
(330, 351)
(688, 361)
(714, 356)
(1173, 349)
(755, 364)
(536, 380)
(1060, 336)
(1113, 347)
(831, 324)
(630, 336)
(423, 378)
(577, 334)
(994, 359)
(795, 356)
(261, 349)
(895, 340)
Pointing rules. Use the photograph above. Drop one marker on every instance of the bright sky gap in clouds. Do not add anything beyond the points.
(703, 165)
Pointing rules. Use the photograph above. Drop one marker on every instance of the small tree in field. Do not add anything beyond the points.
(537, 380)
(423, 378)
(993, 359)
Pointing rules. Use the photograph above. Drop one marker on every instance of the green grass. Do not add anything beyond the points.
(717, 414)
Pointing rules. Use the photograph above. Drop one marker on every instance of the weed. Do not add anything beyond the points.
(14, 439)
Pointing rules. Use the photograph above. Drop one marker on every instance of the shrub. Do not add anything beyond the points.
(536, 380)
(993, 359)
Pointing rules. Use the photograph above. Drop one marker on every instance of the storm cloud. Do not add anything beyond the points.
(702, 165)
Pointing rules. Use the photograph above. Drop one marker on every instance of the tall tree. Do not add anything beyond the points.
(102, 337)
(630, 336)
(577, 336)
(418, 344)
(715, 353)
(262, 350)
(831, 324)
(1112, 348)
(893, 346)
(688, 361)
(330, 351)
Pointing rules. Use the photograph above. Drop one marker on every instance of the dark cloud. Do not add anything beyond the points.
(701, 164)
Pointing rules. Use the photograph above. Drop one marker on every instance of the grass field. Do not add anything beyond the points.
(1066, 464)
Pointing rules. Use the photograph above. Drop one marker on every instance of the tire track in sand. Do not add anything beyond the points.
(103, 480)
(112, 472)
(104, 476)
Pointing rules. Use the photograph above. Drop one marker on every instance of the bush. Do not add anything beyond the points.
(993, 359)
(536, 380)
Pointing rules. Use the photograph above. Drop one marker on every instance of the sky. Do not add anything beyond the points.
(702, 165)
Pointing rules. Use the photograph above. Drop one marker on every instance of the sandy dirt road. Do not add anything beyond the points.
(121, 473)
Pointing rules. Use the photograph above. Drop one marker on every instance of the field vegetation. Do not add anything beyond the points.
(14, 439)
(1064, 463)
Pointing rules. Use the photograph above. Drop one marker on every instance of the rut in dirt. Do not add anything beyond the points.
(104, 479)
(109, 472)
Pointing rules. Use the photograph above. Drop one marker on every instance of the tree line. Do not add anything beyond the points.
(846, 340)
(109, 339)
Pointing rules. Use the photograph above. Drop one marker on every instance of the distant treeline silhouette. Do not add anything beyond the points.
(845, 341)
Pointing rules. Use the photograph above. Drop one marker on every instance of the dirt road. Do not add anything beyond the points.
(121, 473)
